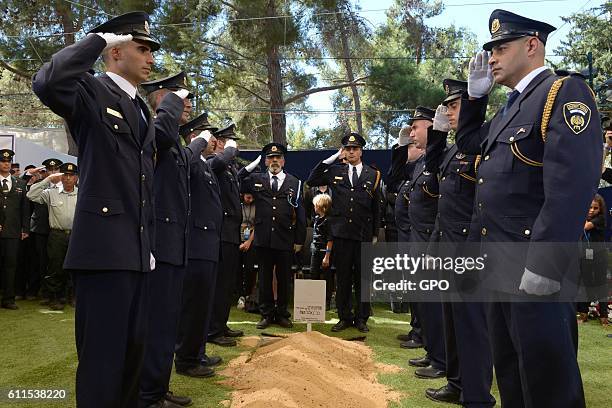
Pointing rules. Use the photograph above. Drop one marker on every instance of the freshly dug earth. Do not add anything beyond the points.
(308, 370)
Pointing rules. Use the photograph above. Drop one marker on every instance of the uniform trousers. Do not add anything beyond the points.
(270, 261)
(196, 311)
(166, 291)
(347, 259)
(110, 326)
(534, 353)
(226, 280)
(9, 248)
(57, 281)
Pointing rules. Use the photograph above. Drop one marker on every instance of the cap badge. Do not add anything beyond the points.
(70, 167)
(447, 89)
(6, 154)
(352, 138)
(185, 81)
(274, 148)
(52, 163)
(495, 26)
(146, 27)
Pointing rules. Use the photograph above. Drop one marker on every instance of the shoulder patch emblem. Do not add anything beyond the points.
(577, 116)
(460, 156)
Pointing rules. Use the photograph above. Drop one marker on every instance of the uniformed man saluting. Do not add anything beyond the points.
(540, 167)
(355, 218)
(280, 230)
(61, 202)
(113, 231)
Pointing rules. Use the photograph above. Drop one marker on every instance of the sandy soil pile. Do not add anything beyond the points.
(308, 370)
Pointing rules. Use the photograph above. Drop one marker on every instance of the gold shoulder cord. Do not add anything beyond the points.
(377, 180)
(548, 106)
(476, 163)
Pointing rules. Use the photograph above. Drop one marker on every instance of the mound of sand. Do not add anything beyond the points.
(308, 370)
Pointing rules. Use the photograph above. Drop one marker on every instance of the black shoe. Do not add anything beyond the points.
(210, 361)
(284, 322)
(429, 372)
(361, 326)
(223, 341)
(264, 323)
(443, 394)
(164, 403)
(233, 333)
(419, 362)
(199, 371)
(10, 306)
(404, 337)
(177, 399)
(411, 344)
(341, 325)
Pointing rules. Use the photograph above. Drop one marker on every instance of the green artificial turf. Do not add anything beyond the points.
(37, 352)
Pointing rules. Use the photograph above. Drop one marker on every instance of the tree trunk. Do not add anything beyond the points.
(349, 69)
(278, 119)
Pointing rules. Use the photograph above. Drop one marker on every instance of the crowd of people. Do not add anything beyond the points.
(154, 250)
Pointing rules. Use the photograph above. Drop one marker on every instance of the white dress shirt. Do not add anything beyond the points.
(280, 176)
(126, 87)
(9, 182)
(523, 83)
(359, 167)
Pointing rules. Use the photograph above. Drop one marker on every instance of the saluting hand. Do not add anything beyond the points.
(440, 122)
(230, 143)
(54, 178)
(480, 79)
(181, 93)
(251, 166)
(112, 39)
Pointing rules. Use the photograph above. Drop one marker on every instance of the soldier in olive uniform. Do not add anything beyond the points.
(280, 230)
(354, 218)
(15, 225)
(540, 168)
(61, 203)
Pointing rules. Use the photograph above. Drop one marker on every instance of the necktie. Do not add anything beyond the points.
(142, 123)
(511, 98)
(354, 177)
(5, 187)
(274, 184)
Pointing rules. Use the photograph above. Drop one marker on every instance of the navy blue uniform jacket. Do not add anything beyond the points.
(113, 223)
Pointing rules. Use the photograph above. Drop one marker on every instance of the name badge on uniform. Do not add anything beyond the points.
(589, 254)
(114, 113)
(338, 177)
(258, 185)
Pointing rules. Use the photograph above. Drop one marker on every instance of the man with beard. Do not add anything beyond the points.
(280, 230)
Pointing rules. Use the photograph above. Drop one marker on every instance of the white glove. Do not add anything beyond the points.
(538, 285)
(374, 239)
(181, 93)
(251, 166)
(113, 39)
(480, 79)
(152, 262)
(230, 143)
(440, 122)
(404, 136)
(333, 157)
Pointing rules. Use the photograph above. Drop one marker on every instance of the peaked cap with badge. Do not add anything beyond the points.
(453, 89)
(6, 155)
(69, 168)
(135, 23)
(52, 164)
(353, 139)
(422, 113)
(172, 82)
(227, 130)
(273, 149)
(199, 123)
(506, 26)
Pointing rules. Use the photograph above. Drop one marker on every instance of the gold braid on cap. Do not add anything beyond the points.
(548, 106)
